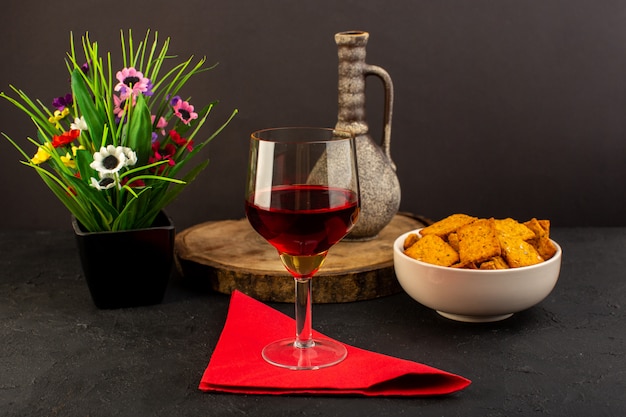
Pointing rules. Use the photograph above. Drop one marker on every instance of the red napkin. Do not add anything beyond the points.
(236, 365)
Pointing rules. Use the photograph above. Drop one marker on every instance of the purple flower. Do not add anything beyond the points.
(149, 91)
(62, 102)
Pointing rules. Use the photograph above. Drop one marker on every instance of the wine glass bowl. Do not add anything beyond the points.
(302, 196)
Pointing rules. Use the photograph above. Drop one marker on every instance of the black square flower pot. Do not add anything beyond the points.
(128, 268)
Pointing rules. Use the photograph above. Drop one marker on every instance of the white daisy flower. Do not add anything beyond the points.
(79, 124)
(109, 160)
(131, 156)
(104, 183)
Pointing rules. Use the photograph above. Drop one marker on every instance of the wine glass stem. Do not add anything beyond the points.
(304, 338)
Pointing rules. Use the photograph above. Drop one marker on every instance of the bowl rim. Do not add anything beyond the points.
(398, 243)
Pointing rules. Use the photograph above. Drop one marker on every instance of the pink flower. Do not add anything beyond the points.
(120, 106)
(132, 82)
(184, 111)
(161, 124)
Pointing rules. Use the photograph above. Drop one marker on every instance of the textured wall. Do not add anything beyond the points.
(503, 108)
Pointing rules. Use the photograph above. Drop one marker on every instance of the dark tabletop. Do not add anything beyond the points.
(61, 356)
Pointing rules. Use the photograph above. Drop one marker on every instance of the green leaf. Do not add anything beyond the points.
(73, 203)
(134, 214)
(95, 120)
(97, 205)
(139, 135)
(83, 158)
(173, 192)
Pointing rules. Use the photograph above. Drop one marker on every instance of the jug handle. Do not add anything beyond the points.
(388, 109)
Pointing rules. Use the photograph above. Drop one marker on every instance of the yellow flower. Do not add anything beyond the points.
(68, 161)
(41, 156)
(77, 148)
(59, 115)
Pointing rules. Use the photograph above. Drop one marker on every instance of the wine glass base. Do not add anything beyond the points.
(322, 354)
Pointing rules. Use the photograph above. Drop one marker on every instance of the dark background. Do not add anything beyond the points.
(503, 108)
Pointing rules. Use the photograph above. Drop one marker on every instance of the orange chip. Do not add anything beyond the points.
(496, 263)
(545, 248)
(519, 253)
(546, 225)
(542, 242)
(434, 250)
(453, 240)
(410, 240)
(500, 262)
(534, 225)
(488, 265)
(478, 241)
(448, 225)
(513, 229)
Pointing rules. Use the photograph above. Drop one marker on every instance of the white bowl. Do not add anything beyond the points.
(473, 295)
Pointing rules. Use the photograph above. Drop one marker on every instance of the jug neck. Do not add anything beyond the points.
(351, 48)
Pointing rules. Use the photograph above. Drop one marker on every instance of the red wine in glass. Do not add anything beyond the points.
(304, 220)
(302, 196)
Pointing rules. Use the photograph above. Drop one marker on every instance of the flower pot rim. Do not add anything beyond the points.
(163, 220)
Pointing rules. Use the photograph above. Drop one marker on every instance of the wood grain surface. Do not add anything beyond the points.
(230, 255)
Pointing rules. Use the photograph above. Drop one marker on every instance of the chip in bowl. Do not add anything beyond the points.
(464, 241)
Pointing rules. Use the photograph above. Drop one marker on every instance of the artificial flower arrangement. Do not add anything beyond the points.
(113, 148)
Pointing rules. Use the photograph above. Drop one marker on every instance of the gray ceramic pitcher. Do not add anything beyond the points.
(380, 188)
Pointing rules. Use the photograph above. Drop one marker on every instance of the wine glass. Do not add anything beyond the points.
(302, 196)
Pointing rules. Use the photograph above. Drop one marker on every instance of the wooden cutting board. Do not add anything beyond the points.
(229, 255)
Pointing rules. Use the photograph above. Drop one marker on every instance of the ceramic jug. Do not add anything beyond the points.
(380, 188)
